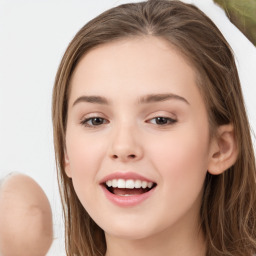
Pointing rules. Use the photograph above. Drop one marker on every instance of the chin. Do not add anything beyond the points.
(129, 231)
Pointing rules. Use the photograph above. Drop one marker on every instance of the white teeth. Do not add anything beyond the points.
(109, 183)
(121, 183)
(150, 184)
(137, 184)
(144, 184)
(114, 183)
(130, 184)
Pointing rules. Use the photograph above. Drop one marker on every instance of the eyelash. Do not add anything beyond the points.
(84, 122)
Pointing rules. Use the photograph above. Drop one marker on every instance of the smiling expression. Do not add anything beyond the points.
(137, 138)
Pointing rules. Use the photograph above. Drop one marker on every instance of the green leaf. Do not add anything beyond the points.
(241, 13)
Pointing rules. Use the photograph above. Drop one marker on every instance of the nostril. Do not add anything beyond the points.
(129, 156)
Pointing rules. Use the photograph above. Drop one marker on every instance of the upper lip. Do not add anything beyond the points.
(125, 176)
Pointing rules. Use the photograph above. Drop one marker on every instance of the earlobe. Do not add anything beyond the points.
(223, 151)
(67, 165)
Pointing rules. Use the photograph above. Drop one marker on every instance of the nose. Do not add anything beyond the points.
(125, 145)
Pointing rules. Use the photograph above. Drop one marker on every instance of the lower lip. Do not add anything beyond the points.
(125, 201)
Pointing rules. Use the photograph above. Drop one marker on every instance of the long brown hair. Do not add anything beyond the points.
(228, 211)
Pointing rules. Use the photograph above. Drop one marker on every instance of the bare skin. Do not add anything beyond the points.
(25, 218)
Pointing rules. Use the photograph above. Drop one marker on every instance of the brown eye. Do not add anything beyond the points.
(160, 120)
(97, 120)
(93, 121)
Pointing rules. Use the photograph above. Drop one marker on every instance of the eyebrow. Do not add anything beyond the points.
(150, 98)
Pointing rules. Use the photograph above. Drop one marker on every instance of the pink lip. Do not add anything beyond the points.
(125, 176)
(126, 201)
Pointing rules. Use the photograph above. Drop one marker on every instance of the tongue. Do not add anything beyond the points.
(127, 191)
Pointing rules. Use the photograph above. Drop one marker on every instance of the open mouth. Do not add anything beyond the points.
(121, 187)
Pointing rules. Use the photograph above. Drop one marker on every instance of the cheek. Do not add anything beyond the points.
(181, 162)
(85, 156)
(83, 153)
(181, 157)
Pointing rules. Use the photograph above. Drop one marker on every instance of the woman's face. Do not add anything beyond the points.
(135, 119)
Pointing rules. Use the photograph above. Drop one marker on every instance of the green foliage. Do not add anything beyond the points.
(241, 13)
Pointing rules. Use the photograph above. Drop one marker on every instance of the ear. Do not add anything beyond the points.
(67, 165)
(223, 150)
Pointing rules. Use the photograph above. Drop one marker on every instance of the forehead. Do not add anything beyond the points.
(134, 66)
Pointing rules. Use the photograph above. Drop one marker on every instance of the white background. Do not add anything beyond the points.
(33, 37)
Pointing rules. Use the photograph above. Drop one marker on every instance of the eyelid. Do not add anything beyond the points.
(172, 120)
(164, 114)
(92, 115)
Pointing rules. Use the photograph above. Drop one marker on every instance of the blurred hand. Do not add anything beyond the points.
(25, 218)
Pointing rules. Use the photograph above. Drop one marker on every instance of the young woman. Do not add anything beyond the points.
(152, 140)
